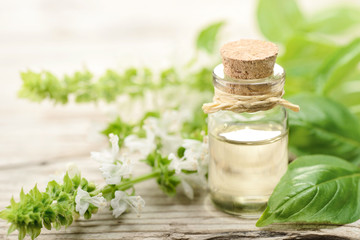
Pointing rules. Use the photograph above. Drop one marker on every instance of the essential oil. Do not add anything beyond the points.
(246, 164)
(248, 131)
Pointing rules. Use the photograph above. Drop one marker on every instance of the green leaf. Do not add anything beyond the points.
(279, 19)
(323, 126)
(335, 20)
(53, 189)
(119, 128)
(68, 184)
(304, 54)
(338, 66)
(302, 58)
(207, 38)
(22, 195)
(76, 180)
(196, 128)
(167, 180)
(201, 80)
(315, 189)
(22, 233)
(108, 192)
(12, 228)
(348, 93)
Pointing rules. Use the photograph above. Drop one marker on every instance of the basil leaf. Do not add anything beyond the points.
(348, 93)
(206, 39)
(338, 66)
(303, 56)
(334, 20)
(315, 189)
(119, 128)
(279, 19)
(323, 126)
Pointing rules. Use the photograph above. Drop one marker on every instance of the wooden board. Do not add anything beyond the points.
(63, 137)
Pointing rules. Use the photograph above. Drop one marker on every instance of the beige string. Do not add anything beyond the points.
(240, 103)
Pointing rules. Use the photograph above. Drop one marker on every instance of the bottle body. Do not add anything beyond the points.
(248, 156)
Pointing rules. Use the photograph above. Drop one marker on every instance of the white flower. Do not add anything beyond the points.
(179, 164)
(141, 146)
(195, 159)
(114, 139)
(195, 150)
(83, 200)
(172, 121)
(113, 172)
(112, 165)
(170, 144)
(167, 128)
(108, 156)
(122, 201)
(195, 154)
(72, 170)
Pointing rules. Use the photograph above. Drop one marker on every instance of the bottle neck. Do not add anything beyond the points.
(272, 85)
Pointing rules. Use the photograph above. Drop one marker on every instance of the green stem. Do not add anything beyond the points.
(126, 185)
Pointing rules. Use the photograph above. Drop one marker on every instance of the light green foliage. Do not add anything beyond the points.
(315, 189)
(338, 67)
(44, 85)
(167, 180)
(53, 208)
(314, 63)
(84, 88)
(302, 58)
(196, 128)
(207, 37)
(324, 126)
(201, 80)
(335, 20)
(279, 19)
(313, 59)
(119, 128)
(40, 86)
(123, 129)
(348, 93)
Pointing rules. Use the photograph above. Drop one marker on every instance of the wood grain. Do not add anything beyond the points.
(162, 218)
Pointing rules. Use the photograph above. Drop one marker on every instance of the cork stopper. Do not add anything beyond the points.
(249, 59)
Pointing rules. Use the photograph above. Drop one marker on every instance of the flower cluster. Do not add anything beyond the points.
(114, 166)
(174, 161)
(83, 201)
(186, 157)
(122, 200)
(53, 208)
(161, 133)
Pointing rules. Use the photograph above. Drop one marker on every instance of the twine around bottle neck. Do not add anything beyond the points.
(241, 103)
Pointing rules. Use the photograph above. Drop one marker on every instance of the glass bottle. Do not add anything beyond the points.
(248, 151)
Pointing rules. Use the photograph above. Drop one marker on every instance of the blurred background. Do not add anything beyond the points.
(64, 36)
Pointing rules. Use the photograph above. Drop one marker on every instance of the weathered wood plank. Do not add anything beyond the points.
(163, 217)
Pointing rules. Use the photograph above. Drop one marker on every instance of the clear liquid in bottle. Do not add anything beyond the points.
(246, 163)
